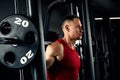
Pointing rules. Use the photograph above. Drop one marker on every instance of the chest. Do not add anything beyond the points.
(70, 59)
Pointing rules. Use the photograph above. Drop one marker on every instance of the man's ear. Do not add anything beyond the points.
(67, 27)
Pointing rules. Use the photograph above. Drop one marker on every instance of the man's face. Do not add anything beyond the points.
(75, 29)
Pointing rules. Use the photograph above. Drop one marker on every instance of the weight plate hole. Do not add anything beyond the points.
(5, 28)
(9, 58)
(30, 37)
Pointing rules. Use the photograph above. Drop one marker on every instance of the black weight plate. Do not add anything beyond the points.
(20, 27)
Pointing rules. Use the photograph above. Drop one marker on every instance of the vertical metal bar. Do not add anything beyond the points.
(84, 40)
(21, 74)
(41, 36)
(16, 7)
(29, 10)
(88, 40)
(77, 12)
(71, 8)
(34, 73)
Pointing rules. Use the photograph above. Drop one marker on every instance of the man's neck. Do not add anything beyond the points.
(69, 42)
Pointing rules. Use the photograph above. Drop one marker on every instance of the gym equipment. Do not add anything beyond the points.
(18, 41)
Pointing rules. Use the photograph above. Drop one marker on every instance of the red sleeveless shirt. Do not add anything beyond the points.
(67, 68)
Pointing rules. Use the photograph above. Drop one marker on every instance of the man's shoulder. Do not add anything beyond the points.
(55, 48)
(55, 45)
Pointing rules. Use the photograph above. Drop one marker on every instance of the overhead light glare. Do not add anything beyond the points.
(111, 18)
(98, 18)
(114, 17)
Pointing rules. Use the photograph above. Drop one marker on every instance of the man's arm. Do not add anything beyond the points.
(53, 50)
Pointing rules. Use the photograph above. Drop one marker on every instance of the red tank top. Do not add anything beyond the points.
(67, 68)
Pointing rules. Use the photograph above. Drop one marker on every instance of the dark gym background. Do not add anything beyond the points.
(100, 45)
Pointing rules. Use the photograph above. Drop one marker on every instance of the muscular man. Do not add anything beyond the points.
(62, 60)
